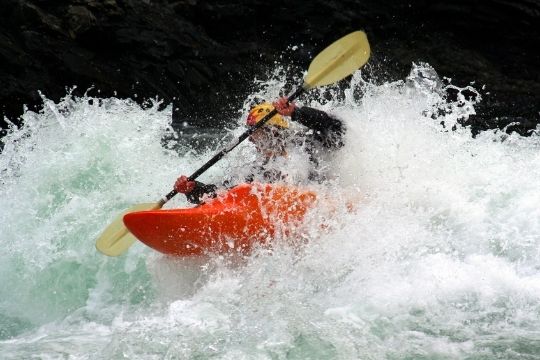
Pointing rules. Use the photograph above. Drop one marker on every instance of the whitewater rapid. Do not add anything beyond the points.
(439, 261)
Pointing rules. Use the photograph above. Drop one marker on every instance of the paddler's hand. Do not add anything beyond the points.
(183, 185)
(284, 107)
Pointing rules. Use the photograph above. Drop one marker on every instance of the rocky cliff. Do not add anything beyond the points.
(201, 54)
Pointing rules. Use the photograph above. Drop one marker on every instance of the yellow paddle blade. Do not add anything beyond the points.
(116, 238)
(338, 60)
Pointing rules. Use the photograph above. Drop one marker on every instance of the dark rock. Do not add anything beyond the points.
(204, 54)
(79, 20)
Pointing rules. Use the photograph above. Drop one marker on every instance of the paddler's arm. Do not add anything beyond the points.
(326, 128)
(201, 190)
(194, 190)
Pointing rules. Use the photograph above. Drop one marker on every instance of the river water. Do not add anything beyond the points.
(440, 260)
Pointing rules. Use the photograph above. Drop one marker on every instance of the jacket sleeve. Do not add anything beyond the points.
(196, 195)
(326, 129)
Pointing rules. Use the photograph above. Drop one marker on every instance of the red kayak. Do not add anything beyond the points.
(233, 221)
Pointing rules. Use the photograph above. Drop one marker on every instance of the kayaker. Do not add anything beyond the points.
(320, 133)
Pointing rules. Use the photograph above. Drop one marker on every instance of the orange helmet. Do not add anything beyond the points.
(259, 111)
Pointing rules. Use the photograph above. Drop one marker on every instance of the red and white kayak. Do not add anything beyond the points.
(233, 221)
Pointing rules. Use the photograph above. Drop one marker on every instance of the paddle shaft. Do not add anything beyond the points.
(231, 146)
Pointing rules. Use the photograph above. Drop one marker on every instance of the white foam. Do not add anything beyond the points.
(438, 260)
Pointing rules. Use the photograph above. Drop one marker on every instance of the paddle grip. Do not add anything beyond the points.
(231, 146)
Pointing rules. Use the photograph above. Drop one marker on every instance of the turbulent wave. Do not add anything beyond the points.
(439, 260)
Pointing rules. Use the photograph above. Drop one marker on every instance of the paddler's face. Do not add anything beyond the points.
(268, 141)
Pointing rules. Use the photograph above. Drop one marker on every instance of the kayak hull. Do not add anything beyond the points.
(235, 221)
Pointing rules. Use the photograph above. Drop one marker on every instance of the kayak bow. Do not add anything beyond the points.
(234, 221)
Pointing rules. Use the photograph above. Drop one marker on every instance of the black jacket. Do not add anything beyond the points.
(322, 132)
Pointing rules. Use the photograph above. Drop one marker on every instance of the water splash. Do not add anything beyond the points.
(438, 261)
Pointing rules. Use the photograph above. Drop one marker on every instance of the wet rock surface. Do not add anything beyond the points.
(203, 55)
